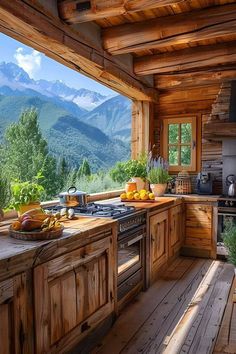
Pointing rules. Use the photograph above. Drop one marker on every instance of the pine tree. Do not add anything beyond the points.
(25, 153)
(84, 169)
(63, 172)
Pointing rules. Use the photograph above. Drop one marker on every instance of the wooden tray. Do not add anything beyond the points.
(138, 201)
(36, 235)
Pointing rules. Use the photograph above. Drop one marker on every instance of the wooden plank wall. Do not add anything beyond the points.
(208, 103)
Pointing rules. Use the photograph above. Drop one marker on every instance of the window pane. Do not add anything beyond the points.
(173, 133)
(173, 155)
(186, 132)
(185, 155)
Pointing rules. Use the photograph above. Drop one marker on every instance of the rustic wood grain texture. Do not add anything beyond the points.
(172, 30)
(79, 292)
(100, 9)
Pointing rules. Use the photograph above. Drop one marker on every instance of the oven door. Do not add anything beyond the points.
(224, 215)
(130, 253)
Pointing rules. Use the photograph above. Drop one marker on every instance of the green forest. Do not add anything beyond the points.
(24, 156)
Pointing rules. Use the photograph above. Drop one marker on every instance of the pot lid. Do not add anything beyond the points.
(72, 191)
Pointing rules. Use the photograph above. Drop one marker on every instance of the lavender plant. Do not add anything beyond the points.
(157, 169)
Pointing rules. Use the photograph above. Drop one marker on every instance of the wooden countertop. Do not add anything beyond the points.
(195, 197)
(17, 256)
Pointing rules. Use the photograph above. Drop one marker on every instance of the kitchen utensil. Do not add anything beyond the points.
(73, 198)
(231, 182)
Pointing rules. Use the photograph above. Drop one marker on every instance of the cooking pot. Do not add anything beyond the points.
(231, 182)
(73, 198)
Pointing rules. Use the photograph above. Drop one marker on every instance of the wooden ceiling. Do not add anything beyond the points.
(181, 42)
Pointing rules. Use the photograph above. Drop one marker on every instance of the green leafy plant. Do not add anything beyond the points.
(157, 170)
(124, 171)
(229, 237)
(24, 193)
(158, 175)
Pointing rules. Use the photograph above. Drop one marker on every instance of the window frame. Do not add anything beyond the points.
(165, 143)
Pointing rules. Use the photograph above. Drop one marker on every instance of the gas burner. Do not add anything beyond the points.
(99, 210)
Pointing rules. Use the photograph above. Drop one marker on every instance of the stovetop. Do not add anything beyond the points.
(99, 210)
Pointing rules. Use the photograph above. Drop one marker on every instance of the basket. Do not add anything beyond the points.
(183, 183)
(36, 235)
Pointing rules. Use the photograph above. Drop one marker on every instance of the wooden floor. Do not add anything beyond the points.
(183, 312)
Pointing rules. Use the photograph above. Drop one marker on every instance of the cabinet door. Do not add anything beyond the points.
(175, 229)
(198, 226)
(16, 335)
(159, 241)
(76, 292)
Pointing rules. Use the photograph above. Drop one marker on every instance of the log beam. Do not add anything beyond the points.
(77, 11)
(57, 40)
(193, 79)
(171, 30)
(187, 59)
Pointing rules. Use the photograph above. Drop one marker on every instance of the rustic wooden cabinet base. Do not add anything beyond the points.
(16, 323)
(76, 294)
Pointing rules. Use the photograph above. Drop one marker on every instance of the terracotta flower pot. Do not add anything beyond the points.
(141, 184)
(158, 189)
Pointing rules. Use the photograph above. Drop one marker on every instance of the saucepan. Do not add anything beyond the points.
(73, 198)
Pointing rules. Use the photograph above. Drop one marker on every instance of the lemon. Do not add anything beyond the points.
(130, 195)
(142, 191)
(137, 196)
(151, 196)
(144, 196)
(123, 196)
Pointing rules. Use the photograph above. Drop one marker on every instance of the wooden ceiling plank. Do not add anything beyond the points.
(193, 79)
(72, 11)
(173, 30)
(187, 59)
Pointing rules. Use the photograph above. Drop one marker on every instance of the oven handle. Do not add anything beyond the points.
(131, 242)
(226, 214)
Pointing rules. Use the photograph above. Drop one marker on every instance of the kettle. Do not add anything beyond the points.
(231, 182)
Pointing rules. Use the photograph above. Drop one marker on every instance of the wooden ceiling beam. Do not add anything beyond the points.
(193, 79)
(171, 30)
(78, 11)
(187, 59)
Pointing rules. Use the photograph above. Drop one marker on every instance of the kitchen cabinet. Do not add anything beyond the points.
(73, 293)
(175, 230)
(200, 230)
(159, 232)
(16, 331)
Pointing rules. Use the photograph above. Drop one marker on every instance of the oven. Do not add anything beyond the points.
(226, 212)
(131, 256)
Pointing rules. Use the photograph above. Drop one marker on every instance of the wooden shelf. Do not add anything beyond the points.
(218, 131)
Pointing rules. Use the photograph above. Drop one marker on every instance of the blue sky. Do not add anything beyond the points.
(38, 66)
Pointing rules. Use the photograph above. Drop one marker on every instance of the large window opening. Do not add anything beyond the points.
(58, 125)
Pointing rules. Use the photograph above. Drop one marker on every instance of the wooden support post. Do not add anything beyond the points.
(141, 121)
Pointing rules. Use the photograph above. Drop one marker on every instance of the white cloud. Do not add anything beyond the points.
(31, 63)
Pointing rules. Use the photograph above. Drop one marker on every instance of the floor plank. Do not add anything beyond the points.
(180, 313)
(226, 340)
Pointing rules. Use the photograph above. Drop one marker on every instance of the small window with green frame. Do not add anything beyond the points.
(179, 143)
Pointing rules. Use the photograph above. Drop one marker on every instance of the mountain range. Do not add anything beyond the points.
(76, 123)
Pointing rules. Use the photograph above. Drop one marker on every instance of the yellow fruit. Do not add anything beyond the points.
(137, 196)
(151, 196)
(16, 225)
(144, 196)
(123, 196)
(142, 191)
(130, 195)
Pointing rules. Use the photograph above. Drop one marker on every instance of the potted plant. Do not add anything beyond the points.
(229, 237)
(157, 174)
(26, 195)
(131, 170)
(4, 194)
